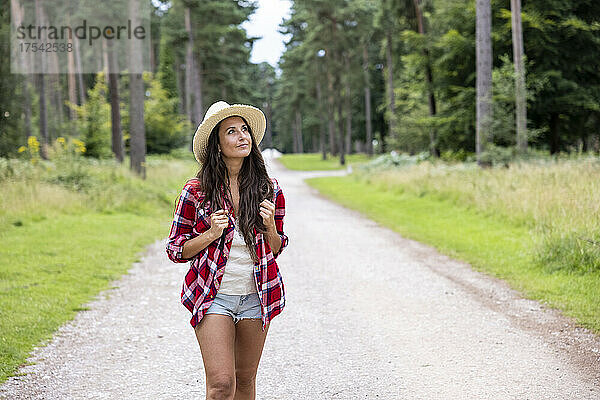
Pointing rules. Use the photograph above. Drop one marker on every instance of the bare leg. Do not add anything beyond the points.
(216, 337)
(249, 343)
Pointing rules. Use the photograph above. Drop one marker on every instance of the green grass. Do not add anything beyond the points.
(62, 245)
(313, 161)
(489, 242)
(50, 269)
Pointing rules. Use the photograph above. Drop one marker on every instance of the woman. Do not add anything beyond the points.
(228, 222)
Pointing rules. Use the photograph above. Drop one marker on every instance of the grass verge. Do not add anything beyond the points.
(313, 161)
(66, 233)
(490, 243)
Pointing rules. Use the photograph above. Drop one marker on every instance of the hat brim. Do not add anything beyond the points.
(254, 116)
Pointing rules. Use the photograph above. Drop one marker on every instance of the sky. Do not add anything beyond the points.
(265, 23)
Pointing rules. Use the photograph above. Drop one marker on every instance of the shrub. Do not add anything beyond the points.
(165, 128)
(95, 121)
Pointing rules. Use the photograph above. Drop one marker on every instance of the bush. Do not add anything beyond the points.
(395, 159)
(95, 121)
(497, 155)
(454, 156)
(569, 251)
(165, 128)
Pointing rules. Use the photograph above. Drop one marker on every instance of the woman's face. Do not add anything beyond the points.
(234, 138)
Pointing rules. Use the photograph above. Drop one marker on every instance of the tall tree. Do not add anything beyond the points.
(298, 132)
(115, 104)
(387, 20)
(433, 149)
(389, 68)
(137, 131)
(364, 14)
(484, 75)
(39, 16)
(348, 103)
(192, 74)
(520, 88)
(368, 125)
(25, 65)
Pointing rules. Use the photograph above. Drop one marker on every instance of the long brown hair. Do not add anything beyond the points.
(253, 182)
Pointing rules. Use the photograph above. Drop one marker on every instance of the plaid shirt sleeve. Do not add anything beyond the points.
(279, 214)
(183, 225)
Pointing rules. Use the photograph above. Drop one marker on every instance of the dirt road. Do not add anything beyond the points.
(369, 315)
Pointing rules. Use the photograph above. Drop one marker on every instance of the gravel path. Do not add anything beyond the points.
(369, 315)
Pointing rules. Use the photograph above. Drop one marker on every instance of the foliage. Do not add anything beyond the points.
(94, 120)
(165, 128)
(394, 159)
(32, 150)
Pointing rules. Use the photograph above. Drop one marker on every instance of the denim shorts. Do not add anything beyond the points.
(236, 306)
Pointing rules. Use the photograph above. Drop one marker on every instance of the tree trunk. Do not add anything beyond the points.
(369, 128)
(82, 97)
(198, 96)
(433, 148)
(341, 131)
(294, 137)
(181, 91)
(115, 111)
(71, 82)
(484, 75)
(340, 117)
(390, 81)
(43, 123)
(348, 106)
(27, 105)
(136, 106)
(298, 124)
(520, 88)
(25, 65)
(106, 61)
(331, 111)
(322, 148)
(43, 119)
(57, 99)
(191, 75)
(52, 87)
(55, 87)
(269, 114)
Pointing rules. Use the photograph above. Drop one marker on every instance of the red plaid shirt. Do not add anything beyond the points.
(203, 279)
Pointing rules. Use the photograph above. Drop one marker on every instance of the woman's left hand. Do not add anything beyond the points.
(267, 211)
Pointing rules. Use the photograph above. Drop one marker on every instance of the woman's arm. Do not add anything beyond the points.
(184, 242)
(195, 245)
(274, 239)
(273, 218)
(218, 222)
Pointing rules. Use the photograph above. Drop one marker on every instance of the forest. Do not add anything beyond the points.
(357, 76)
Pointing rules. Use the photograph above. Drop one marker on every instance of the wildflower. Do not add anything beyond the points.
(32, 141)
(22, 149)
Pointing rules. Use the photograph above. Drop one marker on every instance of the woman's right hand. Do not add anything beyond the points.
(218, 222)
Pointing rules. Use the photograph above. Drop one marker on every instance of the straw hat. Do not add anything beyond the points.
(219, 111)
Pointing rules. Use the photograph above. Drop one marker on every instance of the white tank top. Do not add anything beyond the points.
(238, 277)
